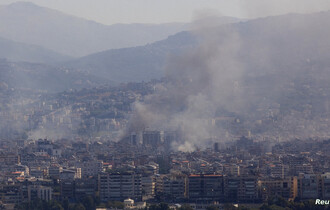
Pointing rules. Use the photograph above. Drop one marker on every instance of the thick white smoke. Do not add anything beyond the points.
(267, 76)
(199, 82)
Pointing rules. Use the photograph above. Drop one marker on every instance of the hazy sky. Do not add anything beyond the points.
(160, 11)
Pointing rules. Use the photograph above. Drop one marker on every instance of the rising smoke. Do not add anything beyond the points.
(245, 71)
(199, 82)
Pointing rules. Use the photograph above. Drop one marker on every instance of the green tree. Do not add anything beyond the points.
(185, 207)
(212, 207)
(66, 204)
(78, 206)
(89, 203)
(161, 206)
(229, 206)
(265, 207)
(279, 201)
(54, 205)
(115, 204)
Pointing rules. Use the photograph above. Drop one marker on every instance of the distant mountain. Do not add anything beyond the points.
(28, 23)
(41, 77)
(16, 51)
(267, 45)
(136, 63)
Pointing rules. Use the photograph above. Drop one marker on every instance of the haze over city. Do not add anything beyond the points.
(143, 104)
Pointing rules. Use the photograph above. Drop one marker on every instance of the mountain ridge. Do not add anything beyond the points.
(74, 36)
(16, 51)
(297, 36)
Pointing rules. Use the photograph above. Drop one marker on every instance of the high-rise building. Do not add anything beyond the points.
(286, 188)
(90, 168)
(174, 187)
(309, 186)
(85, 187)
(67, 189)
(325, 182)
(148, 186)
(216, 147)
(205, 188)
(119, 186)
(41, 192)
(169, 138)
(153, 138)
(241, 189)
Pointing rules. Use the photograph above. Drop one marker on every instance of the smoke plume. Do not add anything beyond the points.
(198, 83)
(244, 78)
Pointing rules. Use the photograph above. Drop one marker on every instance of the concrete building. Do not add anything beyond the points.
(148, 187)
(40, 192)
(175, 187)
(9, 159)
(205, 188)
(153, 139)
(90, 168)
(11, 194)
(325, 185)
(119, 186)
(67, 189)
(54, 171)
(309, 186)
(85, 187)
(241, 189)
(286, 188)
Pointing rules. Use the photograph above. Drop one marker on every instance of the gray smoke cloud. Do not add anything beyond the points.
(58, 124)
(199, 82)
(262, 8)
(259, 75)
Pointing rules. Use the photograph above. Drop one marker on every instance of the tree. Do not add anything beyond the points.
(115, 204)
(161, 206)
(78, 206)
(54, 205)
(265, 207)
(40, 204)
(229, 206)
(89, 203)
(185, 207)
(66, 204)
(280, 201)
(212, 207)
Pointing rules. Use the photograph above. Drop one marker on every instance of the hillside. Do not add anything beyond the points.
(279, 44)
(137, 63)
(28, 23)
(41, 77)
(16, 51)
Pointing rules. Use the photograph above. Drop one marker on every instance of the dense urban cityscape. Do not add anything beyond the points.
(144, 172)
(215, 112)
(88, 161)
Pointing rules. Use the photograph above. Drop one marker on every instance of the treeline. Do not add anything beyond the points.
(86, 203)
(90, 203)
(279, 203)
